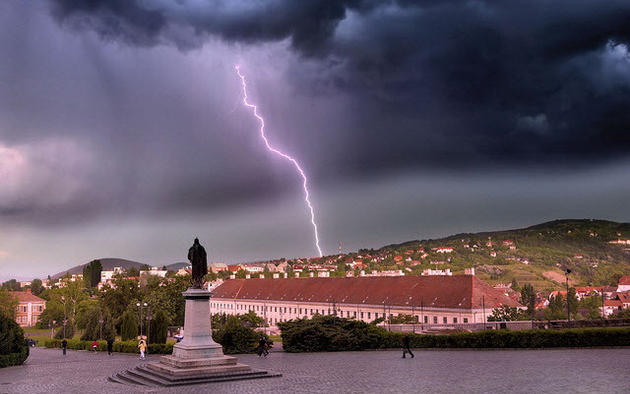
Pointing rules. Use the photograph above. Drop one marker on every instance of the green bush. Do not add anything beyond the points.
(119, 346)
(235, 337)
(328, 333)
(14, 349)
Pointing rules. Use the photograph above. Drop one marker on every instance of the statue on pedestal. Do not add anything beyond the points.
(199, 260)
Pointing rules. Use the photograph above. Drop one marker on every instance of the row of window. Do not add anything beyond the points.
(312, 311)
(24, 308)
(24, 319)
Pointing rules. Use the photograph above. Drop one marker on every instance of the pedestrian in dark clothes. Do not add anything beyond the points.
(406, 346)
(110, 346)
(262, 347)
(64, 346)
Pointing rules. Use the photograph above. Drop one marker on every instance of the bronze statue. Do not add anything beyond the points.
(199, 260)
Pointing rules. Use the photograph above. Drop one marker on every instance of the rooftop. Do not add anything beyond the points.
(457, 292)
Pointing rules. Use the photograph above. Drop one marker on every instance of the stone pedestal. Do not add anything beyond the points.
(197, 358)
(198, 354)
(197, 342)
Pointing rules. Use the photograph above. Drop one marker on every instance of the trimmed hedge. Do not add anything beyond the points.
(119, 346)
(14, 349)
(328, 333)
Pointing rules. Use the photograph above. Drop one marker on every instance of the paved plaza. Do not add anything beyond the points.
(433, 371)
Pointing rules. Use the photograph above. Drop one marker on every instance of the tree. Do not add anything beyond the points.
(168, 297)
(133, 272)
(97, 323)
(592, 304)
(507, 313)
(235, 337)
(572, 300)
(251, 319)
(13, 347)
(129, 327)
(159, 328)
(119, 298)
(528, 298)
(92, 273)
(8, 303)
(12, 285)
(36, 287)
(555, 310)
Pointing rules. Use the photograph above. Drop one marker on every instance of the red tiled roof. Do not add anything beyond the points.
(624, 280)
(457, 291)
(26, 296)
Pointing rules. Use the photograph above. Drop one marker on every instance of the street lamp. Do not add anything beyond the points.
(140, 306)
(149, 318)
(100, 322)
(65, 320)
(566, 274)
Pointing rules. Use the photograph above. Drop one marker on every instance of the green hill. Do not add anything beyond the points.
(537, 254)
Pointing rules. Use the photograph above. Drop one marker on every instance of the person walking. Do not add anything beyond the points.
(262, 346)
(64, 346)
(407, 346)
(110, 346)
(143, 347)
(94, 346)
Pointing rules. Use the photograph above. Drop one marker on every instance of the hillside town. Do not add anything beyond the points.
(282, 290)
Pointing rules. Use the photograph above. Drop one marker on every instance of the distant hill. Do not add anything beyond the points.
(110, 263)
(538, 254)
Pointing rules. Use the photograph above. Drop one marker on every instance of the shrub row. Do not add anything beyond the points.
(119, 346)
(328, 333)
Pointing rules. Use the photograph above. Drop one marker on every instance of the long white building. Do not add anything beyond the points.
(431, 299)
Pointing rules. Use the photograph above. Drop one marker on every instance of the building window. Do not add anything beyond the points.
(454, 320)
(444, 320)
(361, 315)
(434, 319)
(369, 315)
(426, 319)
(376, 315)
(465, 320)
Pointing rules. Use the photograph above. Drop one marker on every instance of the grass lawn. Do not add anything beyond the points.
(37, 334)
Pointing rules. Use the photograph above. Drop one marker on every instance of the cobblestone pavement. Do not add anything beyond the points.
(438, 371)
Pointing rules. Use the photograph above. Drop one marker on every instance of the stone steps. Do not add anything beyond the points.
(145, 376)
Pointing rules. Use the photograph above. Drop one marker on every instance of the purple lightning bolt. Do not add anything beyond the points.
(284, 155)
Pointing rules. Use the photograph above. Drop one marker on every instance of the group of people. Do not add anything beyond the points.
(142, 346)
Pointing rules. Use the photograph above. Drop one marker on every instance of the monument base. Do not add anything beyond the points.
(197, 358)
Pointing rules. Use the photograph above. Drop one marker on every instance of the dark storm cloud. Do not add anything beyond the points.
(440, 82)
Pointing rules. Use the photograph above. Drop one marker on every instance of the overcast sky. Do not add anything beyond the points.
(123, 132)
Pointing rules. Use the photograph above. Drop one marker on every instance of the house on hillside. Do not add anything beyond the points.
(624, 284)
(29, 309)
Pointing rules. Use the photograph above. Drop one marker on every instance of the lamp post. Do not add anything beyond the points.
(65, 320)
(566, 274)
(149, 318)
(100, 323)
(422, 315)
(413, 315)
(140, 307)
